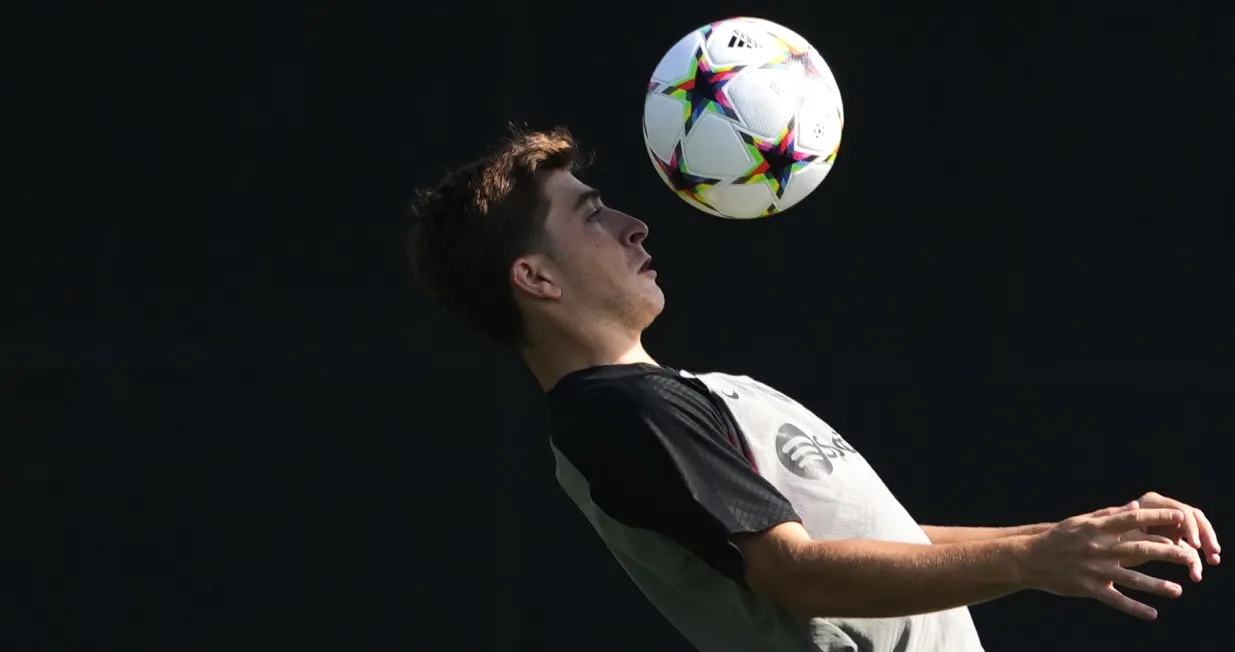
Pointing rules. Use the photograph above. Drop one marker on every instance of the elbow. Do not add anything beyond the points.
(784, 588)
(774, 570)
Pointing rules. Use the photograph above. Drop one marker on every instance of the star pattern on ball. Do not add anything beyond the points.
(809, 66)
(687, 185)
(704, 89)
(776, 160)
(799, 58)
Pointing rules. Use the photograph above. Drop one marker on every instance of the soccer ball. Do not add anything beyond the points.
(742, 118)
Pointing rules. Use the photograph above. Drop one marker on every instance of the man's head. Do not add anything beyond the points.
(514, 241)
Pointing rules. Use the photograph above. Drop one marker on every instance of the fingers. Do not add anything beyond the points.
(1111, 597)
(1146, 584)
(1197, 530)
(1137, 535)
(1137, 552)
(1209, 538)
(1115, 510)
(1192, 533)
(1189, 529)
(1140, 518)
(1195, 569)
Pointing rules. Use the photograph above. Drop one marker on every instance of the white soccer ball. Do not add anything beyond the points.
(743, 118)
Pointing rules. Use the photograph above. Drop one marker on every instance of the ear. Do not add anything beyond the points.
(535, 276)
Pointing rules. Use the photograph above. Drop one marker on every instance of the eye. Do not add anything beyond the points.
(595, 214)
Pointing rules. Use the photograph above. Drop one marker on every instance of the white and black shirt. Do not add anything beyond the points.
(668, 466)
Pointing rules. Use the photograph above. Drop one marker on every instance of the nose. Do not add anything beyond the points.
(635, 231)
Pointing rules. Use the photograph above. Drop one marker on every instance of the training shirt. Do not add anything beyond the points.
(668, 466)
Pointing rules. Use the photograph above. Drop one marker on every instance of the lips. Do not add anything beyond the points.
(647, 265)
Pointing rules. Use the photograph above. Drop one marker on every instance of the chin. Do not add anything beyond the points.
(651, 305)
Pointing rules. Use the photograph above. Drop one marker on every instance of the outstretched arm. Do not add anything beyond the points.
(1084, 556)
(878, 579)
(695, 487)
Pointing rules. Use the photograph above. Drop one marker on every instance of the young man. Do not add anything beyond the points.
(744, 518)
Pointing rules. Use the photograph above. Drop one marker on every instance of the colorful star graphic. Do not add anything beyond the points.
(797, 58)
(704, 89)
(684, 183)
(809, 66)
(777, 159)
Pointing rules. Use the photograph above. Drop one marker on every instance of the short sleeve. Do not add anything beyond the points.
(662, 456)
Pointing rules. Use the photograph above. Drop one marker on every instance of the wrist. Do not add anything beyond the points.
(1029, 530)
(1020, 552)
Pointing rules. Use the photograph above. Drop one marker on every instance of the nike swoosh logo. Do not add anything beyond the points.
(729, 392)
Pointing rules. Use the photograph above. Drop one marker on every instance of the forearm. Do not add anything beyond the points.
(945, 534)
(878, 579)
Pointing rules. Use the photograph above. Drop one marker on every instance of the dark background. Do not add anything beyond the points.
(244, 428)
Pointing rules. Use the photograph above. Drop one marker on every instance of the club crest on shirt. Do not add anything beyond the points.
(809, 457)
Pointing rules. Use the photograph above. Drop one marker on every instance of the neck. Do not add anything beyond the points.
(553, 355)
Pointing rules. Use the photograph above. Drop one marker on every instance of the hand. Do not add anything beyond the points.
(1088, 555)
(1195, 530)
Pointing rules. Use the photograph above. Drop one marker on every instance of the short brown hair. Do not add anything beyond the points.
(476, 221)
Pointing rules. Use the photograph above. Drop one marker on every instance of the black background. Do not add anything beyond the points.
(244, 428)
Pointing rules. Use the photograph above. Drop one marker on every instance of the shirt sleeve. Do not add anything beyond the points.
(661, 458)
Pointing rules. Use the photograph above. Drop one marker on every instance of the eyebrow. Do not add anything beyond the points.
(586, 197)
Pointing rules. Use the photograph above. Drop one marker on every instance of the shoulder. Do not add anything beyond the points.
(638, 402)
(626, 390)
(657, 450)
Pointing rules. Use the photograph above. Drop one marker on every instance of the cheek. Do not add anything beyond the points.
(595, 260)
(579, 268)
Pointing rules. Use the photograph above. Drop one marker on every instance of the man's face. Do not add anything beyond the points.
(599, 268)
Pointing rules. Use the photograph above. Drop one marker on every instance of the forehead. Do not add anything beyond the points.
(561, 191)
